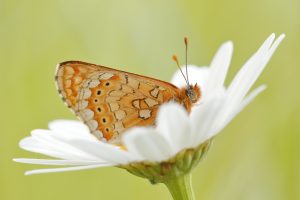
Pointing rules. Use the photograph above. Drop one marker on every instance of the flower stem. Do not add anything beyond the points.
(181, 187)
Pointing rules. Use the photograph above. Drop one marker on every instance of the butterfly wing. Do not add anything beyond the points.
(110, 101)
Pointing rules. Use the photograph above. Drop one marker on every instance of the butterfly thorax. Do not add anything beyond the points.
(189, 95)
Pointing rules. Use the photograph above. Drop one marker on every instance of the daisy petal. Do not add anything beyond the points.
(33, 145)
(251, 70)
(204, 118)
(147, 144)
(273, 48)
(219, 67)
(42, 142)
(197, 75)
(103, 151)
(221, 122)
(246, 101)
(173, 123)
(65, 169)
(70, 129)
(56, 162)
(68, 125)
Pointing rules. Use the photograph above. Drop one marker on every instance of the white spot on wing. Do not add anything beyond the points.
(136, 103)
(93, 83)
(154, 92)
(150, 102)
(105, 76)
(87, 114)
(133, 83)
(98, 134)
(120, 114)
(114, 106)
(86, 93)
(119, 126)
(145, 114)
(161, 88)
(92, 124)
(82, 105)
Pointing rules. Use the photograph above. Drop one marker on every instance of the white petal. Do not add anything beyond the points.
(147, 144)
(173, 122)
(43, 142)
(245, 102)
(103, 151)
(33, 145)
(56, 162)
(196, 74)
(272, 49)
(68, 125)
(70, 129)
(225, 118)
(219, 68)
(204, 118)
(64, 169)
(251, 70)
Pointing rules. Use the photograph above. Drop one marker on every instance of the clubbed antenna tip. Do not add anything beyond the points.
(174, 57)
(186, 49)
(186, 41)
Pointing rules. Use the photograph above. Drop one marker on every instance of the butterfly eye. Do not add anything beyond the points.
(99, 109)
(98, 92)
(104, 120)
(191, 94)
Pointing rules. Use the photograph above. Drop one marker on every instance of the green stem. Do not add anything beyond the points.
(181, 187)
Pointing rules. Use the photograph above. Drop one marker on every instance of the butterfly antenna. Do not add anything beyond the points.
(186, 50)
(174, 57)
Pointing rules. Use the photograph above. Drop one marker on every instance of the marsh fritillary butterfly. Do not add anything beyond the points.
(110, 101)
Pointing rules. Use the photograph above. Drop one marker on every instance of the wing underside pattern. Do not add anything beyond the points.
(109, 101)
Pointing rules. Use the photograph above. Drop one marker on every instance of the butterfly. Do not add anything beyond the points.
(110, 101)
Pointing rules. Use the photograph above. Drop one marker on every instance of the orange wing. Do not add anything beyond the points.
(110, 101)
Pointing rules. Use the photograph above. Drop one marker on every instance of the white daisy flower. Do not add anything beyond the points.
(178, 136)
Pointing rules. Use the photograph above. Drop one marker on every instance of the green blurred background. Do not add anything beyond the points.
(255, 157)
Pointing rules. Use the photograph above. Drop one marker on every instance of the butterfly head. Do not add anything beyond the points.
(190, 95)
(193, 93)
